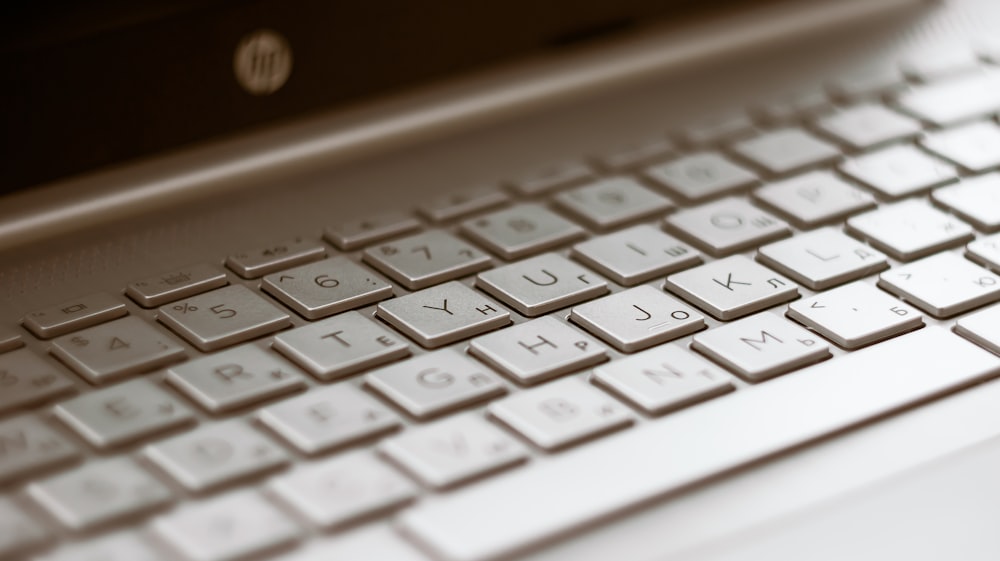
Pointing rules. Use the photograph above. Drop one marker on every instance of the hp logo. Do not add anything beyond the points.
(262, 62)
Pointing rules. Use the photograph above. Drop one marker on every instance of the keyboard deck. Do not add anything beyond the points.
(465, 370)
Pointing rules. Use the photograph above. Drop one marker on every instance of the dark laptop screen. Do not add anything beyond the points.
(89, 84)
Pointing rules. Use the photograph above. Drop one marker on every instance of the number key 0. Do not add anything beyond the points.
(223, 317)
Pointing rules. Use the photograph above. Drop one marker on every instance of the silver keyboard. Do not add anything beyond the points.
(466, 372)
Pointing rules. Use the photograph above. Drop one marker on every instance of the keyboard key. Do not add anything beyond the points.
(909, 229)
(561, 413)
(223, 317)
(953, 101)
(814, 198)
(988, 49)
(126, 546)
(27, 379)
(612, 202)
(727, 226)
(822, 258)
(942, 285)
(786, 150)
(718, 128)
(982, 328)
(938, 63)
(336, 491)
(327, 287)
(9, 339)
(795, 105)
(374, 541)
(434, 383)
(867, 125)
(869, 80)
(462, 203)
(226, 528)
(29, 446)
(344, 344)
(71, 315)
(925, 364)
(427, 259)
(355, 234)
(116, 349)
(663, 379)
(235, 378)
(761, 346)
(123, 413)
(975, 147)
(521, 230)
(986, 251)
(975, 200)
(701, 175)
(732, 287)
(637, 154)
(454, 450)
(174, 285)
(18, 531)
(898, 171)
(215, 455)
(255, 263)
(542, 284)
(538, 350)
(855, 315)
(328, 417)
(550, 178)
(636, 254)
(100, 493)
(638, 318)
(443, 314)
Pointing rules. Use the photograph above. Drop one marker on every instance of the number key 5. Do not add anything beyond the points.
(223, 317)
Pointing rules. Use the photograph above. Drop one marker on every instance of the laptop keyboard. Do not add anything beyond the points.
(288, 400)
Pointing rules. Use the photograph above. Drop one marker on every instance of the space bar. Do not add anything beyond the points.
(550, 498)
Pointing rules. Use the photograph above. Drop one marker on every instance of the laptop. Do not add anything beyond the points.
(576, 281)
